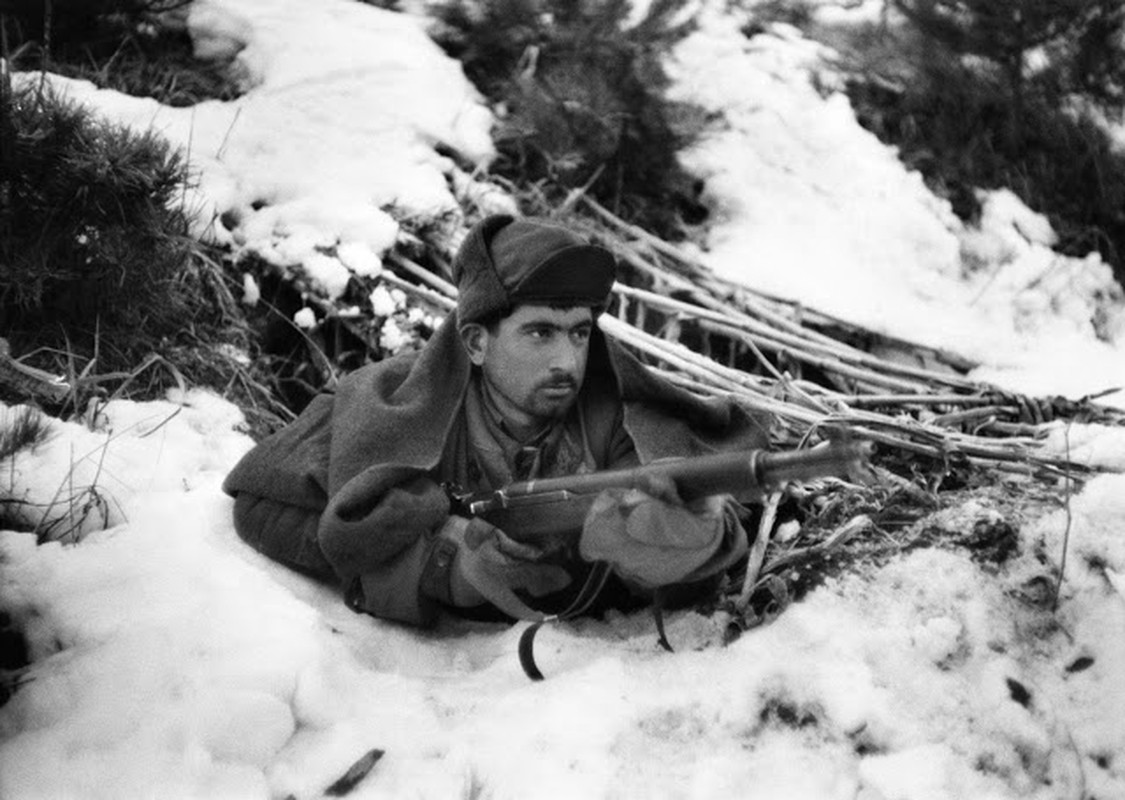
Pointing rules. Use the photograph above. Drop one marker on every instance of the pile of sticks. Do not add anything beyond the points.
(934, 412)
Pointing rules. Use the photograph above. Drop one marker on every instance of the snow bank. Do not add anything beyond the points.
(330, 144)
(813, 208)
(171, 659)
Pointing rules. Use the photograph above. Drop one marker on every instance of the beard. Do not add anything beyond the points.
(553, 397)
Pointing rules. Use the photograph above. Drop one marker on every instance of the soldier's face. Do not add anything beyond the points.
(534, 361)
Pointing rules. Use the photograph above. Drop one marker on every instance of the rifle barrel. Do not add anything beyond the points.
(776, 468)
(552, 509)
(739, 472)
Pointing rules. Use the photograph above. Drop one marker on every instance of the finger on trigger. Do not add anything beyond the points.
(510, 547)
(477, 532)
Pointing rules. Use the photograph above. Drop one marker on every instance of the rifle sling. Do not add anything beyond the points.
(595, 581)
(658, 617)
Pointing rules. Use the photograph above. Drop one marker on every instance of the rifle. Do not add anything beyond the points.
(549, 512)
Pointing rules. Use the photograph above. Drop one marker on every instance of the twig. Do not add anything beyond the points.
(29, 381)
(418, 271)
(436, 299)
(689, 383)
(863, 376)
(1069, 520)
(226, 136)
(970, 415)
(1014, 428)
(841, 535)
(574, 195)
(1079, 761)
(187, 155)
(758, 550)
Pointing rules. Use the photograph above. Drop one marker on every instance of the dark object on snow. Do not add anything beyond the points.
(1080, 664)
(768, 599)
(13, 657)
(1019, 692)
(992, 541)
(356, 773)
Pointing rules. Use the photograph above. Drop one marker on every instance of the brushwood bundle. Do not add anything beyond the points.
(715, 337)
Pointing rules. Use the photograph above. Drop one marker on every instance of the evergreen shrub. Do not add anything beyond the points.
(1043, 49)
(973, 114)
(580, 91)
(126, 45)
(94, 243)
(64, 21)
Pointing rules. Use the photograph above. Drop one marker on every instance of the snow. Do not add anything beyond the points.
(170, 660)
(817, 210)
(278, 166)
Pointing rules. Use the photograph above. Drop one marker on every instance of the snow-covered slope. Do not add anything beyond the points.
(812, 207)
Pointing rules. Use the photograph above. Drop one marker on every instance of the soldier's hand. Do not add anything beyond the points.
(653, 543)
(490, 566)
(660, 487)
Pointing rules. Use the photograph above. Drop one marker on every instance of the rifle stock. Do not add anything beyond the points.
(549, 512)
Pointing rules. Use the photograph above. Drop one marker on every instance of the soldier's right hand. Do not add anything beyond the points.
(489, 566)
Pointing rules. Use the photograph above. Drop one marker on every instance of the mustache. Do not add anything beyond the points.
(560, 382)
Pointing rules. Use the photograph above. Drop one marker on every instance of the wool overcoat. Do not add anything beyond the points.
(348, 490)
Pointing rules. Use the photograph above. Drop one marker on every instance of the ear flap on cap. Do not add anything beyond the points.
(480, 290)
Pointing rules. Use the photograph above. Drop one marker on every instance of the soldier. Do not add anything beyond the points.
(517, 383)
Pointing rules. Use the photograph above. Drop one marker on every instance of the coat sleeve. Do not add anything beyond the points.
(284, 532)
(380, 533)
(375, 534)
(280, 490)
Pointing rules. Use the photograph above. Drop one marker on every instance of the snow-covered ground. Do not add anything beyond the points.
(172, 661)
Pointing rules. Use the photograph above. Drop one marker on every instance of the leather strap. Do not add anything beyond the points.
(595, 581)
(658, 617)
